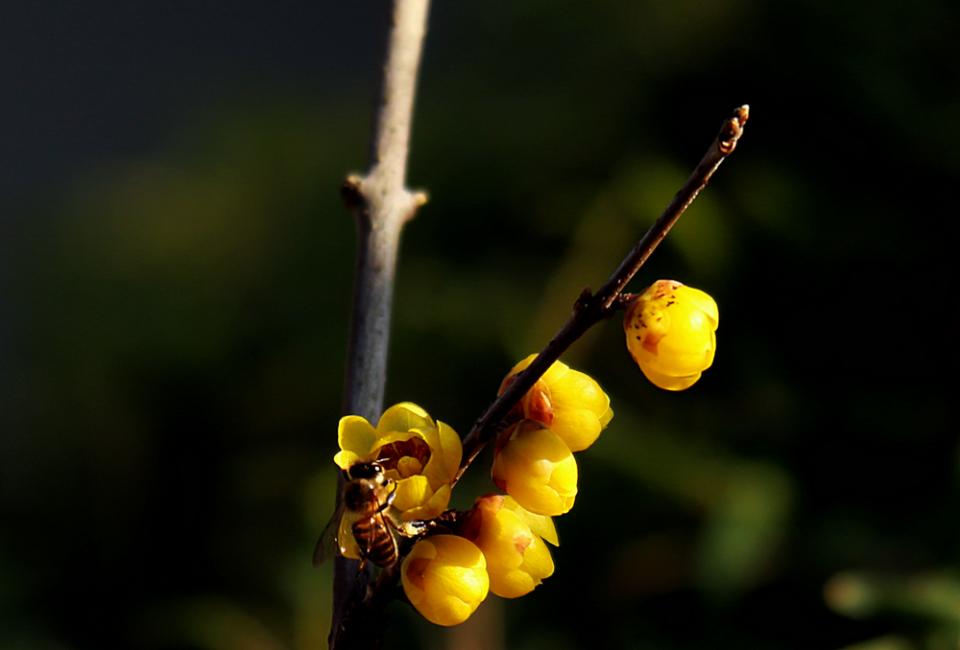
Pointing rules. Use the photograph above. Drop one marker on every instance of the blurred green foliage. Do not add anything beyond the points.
(178, 329)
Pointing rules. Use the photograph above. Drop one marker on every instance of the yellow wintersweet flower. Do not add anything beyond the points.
(671, 333)
(569, 402)
(517, 558)
(421, 455)
(445, 578)
(534, 466)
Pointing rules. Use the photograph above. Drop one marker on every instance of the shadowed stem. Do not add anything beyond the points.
(590, 309)
(382, 205)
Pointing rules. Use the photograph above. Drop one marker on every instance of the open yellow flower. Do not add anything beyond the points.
(671, 333)
(445, 578)
(421, 455)
(569, 402)
(534, 466)
(517, 557)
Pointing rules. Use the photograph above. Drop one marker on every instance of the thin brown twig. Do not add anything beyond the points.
(590, 309)
(381, 204)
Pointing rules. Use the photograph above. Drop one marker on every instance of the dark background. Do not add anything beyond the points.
(174, 285)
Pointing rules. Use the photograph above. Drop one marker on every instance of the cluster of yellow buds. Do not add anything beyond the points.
(409, 463)
(563, 412)
(498, 547)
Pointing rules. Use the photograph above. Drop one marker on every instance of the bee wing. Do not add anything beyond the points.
(327, 543)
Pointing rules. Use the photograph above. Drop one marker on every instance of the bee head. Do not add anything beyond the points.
(371, 470)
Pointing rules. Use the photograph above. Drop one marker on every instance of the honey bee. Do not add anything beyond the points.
(367, 493)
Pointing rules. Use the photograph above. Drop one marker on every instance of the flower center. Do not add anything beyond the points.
(407, 457)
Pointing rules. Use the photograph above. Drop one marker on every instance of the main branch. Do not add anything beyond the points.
(590, 309)
(382, 205)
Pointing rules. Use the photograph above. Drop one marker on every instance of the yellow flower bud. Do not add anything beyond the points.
(517, 558)
(534, 466)
(671, 333)
(421, 455)
(569, 402)
(445, 578)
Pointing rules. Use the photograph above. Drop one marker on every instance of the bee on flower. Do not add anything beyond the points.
(413, 460)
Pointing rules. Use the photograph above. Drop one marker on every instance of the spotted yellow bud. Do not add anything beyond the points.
(534, 466)
(421, 455)
(671, 333)
(569, 402)
(445, 578)
(517, 558)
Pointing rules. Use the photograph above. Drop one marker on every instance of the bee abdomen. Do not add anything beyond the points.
(375, 541)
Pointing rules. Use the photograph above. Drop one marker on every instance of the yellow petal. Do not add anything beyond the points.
(431, 508)
(702, 301)
(556, 373)
(578, 428)
(412, 492)
(355, 434)
(446, 452)
(452, 448)
(403, 417)
(346, 459)
(563, 479)
(429, 435)
(577, 390)
(539, 524)
(511, 584)
(522, 365)
(536, 565)
(606, 417)
(667, 382)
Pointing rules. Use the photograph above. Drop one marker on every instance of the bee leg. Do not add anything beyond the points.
(389, 500)
(362, 565)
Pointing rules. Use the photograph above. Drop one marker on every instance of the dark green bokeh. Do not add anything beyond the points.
(177, 322)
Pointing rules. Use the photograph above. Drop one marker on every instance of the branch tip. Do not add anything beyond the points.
(732, 129)
(591, 308)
